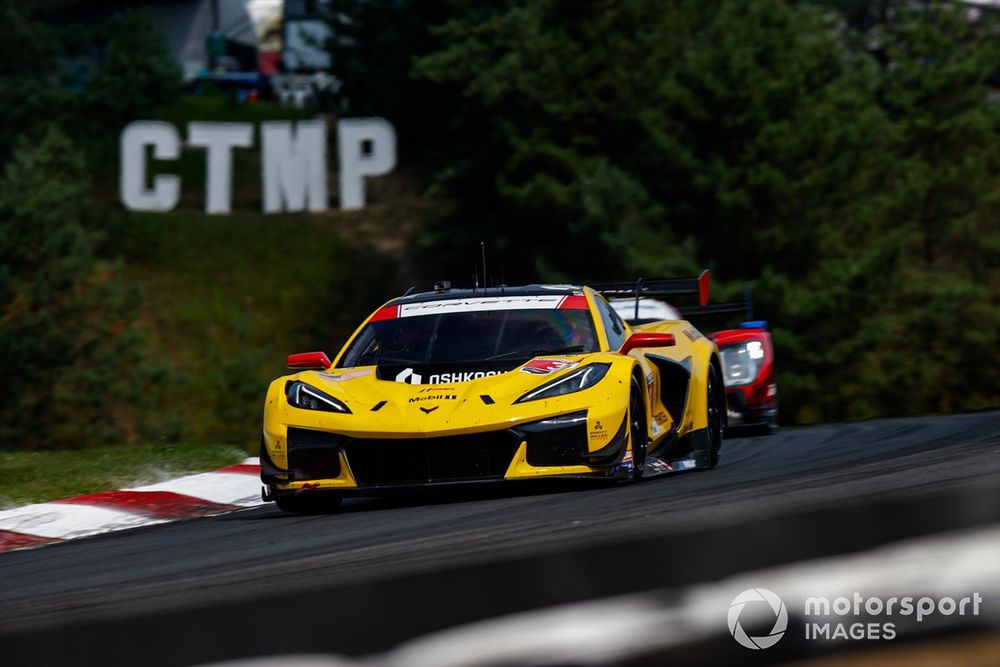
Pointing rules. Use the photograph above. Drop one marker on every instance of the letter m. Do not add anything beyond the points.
(294, 166)
(817, 607)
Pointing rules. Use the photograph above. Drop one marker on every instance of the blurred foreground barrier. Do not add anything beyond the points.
(710, 598)
(688, 626)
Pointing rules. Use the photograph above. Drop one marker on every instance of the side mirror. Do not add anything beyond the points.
(637, 340)
(309, 361)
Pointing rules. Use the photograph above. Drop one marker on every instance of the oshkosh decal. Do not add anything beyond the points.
(408, 376)
(467, 376)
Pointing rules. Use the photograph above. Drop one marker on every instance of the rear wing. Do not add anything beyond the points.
(745, 307)
(651, 288)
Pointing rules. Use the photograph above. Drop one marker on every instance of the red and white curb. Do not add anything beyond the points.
(223, 490)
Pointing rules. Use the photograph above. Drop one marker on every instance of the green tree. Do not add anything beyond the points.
(942, 314)
(854, 179)
(137, 77)
(128, 72)
(739, 122)
(74, 373)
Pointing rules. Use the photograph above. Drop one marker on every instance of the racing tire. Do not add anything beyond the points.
(706, 442)
(637, 435)
(312, 503)
(771, 425)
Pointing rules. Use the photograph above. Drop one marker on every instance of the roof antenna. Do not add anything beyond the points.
(638, 293)
(486, 280)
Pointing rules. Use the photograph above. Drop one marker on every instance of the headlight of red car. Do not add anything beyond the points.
(741, 362)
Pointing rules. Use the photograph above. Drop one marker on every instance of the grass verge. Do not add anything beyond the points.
(31, 477)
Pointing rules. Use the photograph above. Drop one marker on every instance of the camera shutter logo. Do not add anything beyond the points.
(780, 618)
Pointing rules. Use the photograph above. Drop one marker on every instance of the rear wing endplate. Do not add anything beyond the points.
(640, 288)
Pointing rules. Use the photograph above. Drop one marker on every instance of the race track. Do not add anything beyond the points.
(255, 565)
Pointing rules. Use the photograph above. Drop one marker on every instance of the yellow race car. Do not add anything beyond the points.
(494, 385)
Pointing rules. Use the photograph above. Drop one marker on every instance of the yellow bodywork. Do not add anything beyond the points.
(461, 411)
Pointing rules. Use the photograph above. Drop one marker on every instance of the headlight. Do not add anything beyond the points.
(302, 395)
(741, 362)
(581, 378)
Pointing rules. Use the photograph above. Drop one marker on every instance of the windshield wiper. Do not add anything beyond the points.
(527, 354)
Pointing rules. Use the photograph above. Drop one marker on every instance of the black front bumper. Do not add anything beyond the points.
(377, 463)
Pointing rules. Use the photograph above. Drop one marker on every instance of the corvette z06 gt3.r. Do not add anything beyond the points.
(493, 385)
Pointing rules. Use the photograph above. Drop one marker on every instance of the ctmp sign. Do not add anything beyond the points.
(293, 157)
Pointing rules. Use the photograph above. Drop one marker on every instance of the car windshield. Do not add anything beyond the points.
(472, 336)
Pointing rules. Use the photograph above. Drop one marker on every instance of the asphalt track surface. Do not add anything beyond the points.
(260, 556)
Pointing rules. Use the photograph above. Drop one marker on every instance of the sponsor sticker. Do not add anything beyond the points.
(449, 378)
(434, 397)
(623, 466)
(692, 334)
(598, 432)
(478, 304)
(409, 376)
(547, 366)
(657, 466)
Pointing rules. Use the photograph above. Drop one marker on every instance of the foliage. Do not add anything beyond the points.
(845, 162)
(88, 77)
(75, 370)
(375, 44)
(68, 347)
(230, 296)
(137, 78)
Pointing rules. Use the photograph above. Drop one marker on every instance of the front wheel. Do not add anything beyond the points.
(638, 437)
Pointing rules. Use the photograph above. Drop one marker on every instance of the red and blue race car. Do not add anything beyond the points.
(746, 352)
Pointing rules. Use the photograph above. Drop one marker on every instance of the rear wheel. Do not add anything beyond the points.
(638, 436)
(706, 442)
(309, 503)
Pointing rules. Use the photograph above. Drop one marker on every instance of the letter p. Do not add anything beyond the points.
(366, 147)
(925, 606)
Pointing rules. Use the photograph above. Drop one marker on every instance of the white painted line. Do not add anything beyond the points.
(67, 521)
(230, 488)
